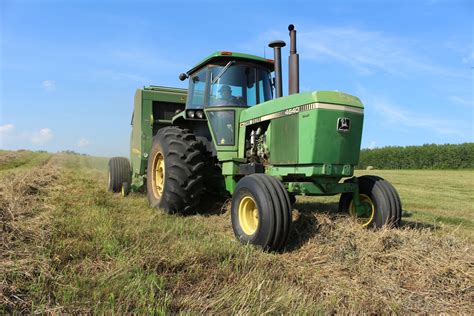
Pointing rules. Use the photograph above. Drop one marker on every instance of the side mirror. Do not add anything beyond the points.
(183, 76)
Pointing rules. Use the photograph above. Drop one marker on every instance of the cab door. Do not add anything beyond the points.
(223, 124)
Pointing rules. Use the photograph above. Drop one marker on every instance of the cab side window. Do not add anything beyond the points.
(197, 87)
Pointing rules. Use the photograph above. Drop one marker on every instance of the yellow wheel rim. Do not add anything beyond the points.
(367, 218)
(158, 174)
(248, 215)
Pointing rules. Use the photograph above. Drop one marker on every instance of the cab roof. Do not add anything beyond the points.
(224, 56)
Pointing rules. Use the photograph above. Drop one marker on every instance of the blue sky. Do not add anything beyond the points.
(69, 69)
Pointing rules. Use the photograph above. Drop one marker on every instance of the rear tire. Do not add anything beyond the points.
(119, 172)
(174, 173)
(261, 212)
(379, 193)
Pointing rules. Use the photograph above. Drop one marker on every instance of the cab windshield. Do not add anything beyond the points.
(230, 84)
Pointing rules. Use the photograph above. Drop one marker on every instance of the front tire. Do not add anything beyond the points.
(126, 188)
(383, 201)
(174, 172)
(261, 212)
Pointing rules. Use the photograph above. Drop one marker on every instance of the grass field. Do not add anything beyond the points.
(68, 246)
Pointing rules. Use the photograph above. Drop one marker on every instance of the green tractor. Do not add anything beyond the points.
(234, 133)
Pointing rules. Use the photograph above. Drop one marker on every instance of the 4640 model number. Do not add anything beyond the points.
(292, 111)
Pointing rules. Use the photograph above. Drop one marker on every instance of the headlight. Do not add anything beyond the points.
(191, 114)
(200, 114)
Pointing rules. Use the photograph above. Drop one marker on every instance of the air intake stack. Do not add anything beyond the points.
(277, 45)
(293, 64)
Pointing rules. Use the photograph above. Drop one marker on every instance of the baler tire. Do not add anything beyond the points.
(182, 179)
(271, 202)
(119, 171)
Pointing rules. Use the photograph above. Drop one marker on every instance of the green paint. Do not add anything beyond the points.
(287, 102)
(284, 144)
(319, 188)
(320, 142)
(310, 171)
(301, 140)
(223, 122)
(230, 183)
(145, 125)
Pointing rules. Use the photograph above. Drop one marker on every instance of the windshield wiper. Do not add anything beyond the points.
(222, 71)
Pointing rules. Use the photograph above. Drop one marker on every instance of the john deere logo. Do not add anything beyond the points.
(343, 124)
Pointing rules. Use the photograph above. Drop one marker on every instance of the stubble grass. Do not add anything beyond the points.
(101, 253)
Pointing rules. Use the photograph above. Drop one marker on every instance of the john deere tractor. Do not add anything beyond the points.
(232, 132)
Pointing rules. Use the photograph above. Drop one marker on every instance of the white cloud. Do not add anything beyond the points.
(42, 136)
(468, 59)
(398, 115)
(49, 85)
(5, 133)
(372, 144)
(83, 142)
(6, 129)
(394, 114)
(461, 101)
(366, 51)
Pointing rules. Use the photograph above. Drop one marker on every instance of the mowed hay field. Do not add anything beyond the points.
(69, 246)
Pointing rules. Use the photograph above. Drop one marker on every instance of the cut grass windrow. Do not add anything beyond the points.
(108, 254)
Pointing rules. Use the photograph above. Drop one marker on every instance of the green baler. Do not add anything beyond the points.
(229, 134)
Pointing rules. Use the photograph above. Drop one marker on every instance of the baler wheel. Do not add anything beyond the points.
(383, 201)
(175, 171)
(261, 212)
(119, 172)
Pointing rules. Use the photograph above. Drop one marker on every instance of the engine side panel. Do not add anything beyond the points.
(284, 141)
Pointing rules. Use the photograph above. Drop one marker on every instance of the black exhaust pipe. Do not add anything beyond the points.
(277, 45)
(293, 64)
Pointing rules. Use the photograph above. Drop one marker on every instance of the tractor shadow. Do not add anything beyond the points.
(306, 225)
(214, 205)
(414, 224)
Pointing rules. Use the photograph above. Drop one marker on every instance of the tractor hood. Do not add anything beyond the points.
(295, 100)
(313, 128)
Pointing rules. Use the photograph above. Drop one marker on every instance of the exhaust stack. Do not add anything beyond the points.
(293, 64)
(277, 45)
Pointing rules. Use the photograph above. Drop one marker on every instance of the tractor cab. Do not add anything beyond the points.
(228, 79)
(221, 85)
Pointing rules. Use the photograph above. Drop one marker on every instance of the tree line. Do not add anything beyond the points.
(429, 156)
